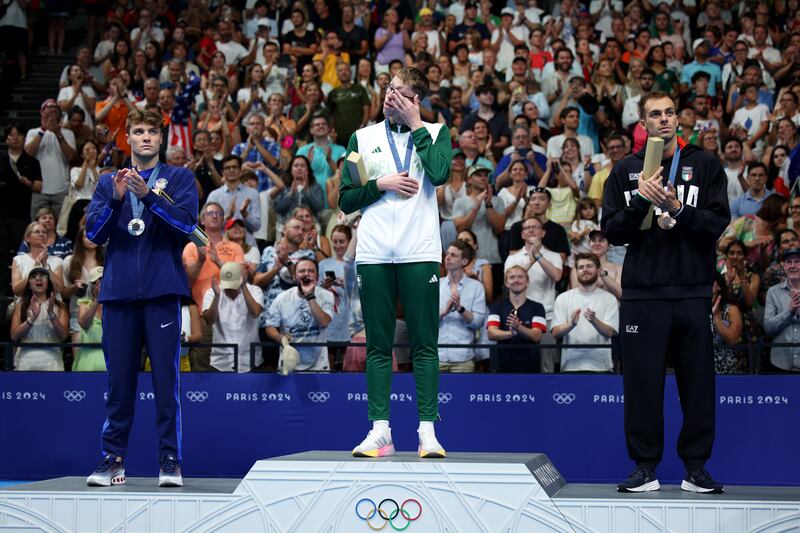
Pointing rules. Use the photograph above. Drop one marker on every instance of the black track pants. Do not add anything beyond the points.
(652, 329)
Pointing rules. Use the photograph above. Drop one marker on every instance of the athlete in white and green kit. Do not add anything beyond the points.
(399, 251)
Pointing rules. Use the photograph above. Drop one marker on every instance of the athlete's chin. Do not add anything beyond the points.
(147, 150)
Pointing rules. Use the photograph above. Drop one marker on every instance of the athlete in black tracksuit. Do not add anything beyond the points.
(666, 304)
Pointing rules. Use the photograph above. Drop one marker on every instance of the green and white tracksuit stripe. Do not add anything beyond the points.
(398, 255)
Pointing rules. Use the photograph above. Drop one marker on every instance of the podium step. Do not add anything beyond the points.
(332, 492)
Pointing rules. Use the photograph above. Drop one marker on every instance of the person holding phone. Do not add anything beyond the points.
(340, 279)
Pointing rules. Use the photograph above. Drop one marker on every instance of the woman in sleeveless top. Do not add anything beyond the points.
(39, 318)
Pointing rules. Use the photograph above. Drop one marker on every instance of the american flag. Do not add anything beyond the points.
(180, 126)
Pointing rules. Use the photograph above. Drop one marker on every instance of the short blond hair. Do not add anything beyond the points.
(143, 116)
(515, 267)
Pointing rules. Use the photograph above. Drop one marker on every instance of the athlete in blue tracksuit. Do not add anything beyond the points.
(143, 283)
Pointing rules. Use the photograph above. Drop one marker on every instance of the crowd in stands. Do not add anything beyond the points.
(259, 99)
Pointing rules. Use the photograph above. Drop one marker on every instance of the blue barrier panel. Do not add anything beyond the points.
(50, 422)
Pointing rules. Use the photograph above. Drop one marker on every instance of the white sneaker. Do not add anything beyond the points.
(377, 444)
(429, 447)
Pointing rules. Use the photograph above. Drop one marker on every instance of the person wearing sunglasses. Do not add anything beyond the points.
(399, 250)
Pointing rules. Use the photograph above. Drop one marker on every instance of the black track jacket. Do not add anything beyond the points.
(668, 264)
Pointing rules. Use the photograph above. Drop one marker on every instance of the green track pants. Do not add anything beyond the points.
(417, 286)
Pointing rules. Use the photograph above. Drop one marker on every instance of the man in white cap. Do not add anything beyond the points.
(232, 307)
(506, 36)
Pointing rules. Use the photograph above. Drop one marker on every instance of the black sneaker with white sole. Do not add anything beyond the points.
(643, 479)
(110, 472)
(699, 480)
(169, 474)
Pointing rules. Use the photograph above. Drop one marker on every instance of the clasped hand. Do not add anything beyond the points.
(128, 179)
(663, 198)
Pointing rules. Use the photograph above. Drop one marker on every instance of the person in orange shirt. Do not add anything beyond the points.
(203, 265)
(113, 112)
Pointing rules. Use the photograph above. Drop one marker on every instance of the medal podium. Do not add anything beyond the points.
(333, 492)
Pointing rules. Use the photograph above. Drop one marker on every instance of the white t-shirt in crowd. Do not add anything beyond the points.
(606, 308)
(234, 325)
(751, 119)
(156, 34)
(556, 142)
(509, 198)
(55, 167)
(541, 287)
(66, 93)
(89, 182)
(290, 314)
(232, 51)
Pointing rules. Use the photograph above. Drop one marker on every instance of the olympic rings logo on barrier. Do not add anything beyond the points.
(319, 396)
(563, 398)
(445, 397)
(388, 518)
(197, 396)
(74, 395)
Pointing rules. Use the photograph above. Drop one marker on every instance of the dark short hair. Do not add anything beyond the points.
(77, 111)
(485, 88)
(232, 158)
(567, 50)
(756, 164)
(467, 252)
(310, 260)
(732, 139)
(655, 95)
(567, 110)
(10, 127)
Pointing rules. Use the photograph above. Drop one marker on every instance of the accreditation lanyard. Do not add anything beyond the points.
(393, 147)
(137, 207)
(673, 169)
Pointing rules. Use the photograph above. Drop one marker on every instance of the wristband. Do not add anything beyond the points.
(538, 257)
(30, 324)
(41, 133)
(489, 206)
(310, 296)
(51, 316)
(461, 310)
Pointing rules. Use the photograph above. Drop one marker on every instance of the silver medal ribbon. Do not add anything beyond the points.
(136, 225)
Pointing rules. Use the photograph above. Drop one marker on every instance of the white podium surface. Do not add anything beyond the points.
(332, 492)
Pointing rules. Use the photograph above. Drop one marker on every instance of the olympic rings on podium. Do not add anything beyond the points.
(388, 518)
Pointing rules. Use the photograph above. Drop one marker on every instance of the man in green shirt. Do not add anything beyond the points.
(349, 104)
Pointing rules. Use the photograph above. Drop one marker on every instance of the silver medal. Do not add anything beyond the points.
(136, 227)
(665, 221)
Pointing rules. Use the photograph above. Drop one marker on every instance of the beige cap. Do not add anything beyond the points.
(230, 276)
